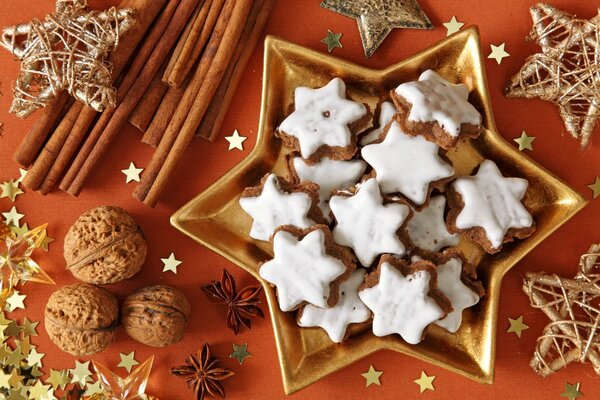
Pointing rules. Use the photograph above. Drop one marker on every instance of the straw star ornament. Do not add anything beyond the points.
(67, 51)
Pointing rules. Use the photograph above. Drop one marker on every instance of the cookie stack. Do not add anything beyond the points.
(366, 224)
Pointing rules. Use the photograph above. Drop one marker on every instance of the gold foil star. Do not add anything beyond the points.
(128, 361)
(15, 379)
(67, 51)
(498, 53)
(58, 379)
(35, 358)
(39, 391)
(453, 26)
(15, 300)
(240, 352)
(170, 264)
(425, 382)
(4, 380)
(332, 40)
(129, 388)
(20, 230)
(595, 187)
(372, 376)
(376, 18)
(517, 326)
(571, 391)
(525, 141)
(12, 216)
(81, 373)
(235, 141)
(10, 189)
(94, 388)
(132, 173)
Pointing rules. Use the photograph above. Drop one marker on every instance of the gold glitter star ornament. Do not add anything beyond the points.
(67, 51)
(129, 388)
(376, 18)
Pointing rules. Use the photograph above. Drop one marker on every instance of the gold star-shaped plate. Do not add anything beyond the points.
(216, 220)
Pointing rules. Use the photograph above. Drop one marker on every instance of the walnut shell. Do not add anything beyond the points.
(155, 315)
(105, 245)
(81, 319)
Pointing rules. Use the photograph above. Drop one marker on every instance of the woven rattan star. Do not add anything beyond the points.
(67, 51)
(567, 71)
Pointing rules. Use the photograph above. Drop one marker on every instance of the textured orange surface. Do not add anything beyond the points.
(304, 22)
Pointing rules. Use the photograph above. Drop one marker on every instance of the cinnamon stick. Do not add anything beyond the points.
(178, 119)
(142, 58)
(215, 115)
(163, 116)
(144, 111)
(35, 138)
(208, 88)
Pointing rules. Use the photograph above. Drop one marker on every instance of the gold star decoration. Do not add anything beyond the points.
(35, 358)
(425, 382)
(332, 40)
(20, 230)
(67, 51)
(372, 376)
(129, 388)
(498, 53)
(94, 389)
(377, 18)
(81, 374)
(235, 141)
(127, 361)
(58, 379)
(566, 70)
(453, 26)
(595, 187)
(525, 141)
(571, 391)
(15, 300)
(39, 391)
(132, 173)
(240, 352)
(170, 264)
(10, 189)
(13, 216)
(517, 326)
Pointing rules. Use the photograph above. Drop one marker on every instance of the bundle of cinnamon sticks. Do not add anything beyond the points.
(176, 72)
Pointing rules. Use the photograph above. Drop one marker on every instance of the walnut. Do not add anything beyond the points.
(105, 245)
(155, 315)
(81, 319)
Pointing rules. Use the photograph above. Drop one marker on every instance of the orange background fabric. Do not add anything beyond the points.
(304, 22)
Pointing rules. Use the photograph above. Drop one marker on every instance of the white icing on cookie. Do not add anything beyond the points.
(329, 175)
(400, 304)
(388, 110)
(427, 228)
(492, 202)
(275, 207)
(301, 269)
(366, 225)
(349, 310)
(461, 297)
(435, 99)
(321, 117)
(406, 164)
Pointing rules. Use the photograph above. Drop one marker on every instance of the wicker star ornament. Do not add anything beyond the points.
(567, 71)
(376, 18)
(67, 51)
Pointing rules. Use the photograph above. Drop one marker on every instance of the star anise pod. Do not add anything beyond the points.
(242, 305)
(203, 373)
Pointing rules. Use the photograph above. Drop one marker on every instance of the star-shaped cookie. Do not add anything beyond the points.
(427, 229)
(492, 206)
(366, 225)
(302, 269)
(273, 206)
(406, 164)
(401, 303)
(321, 118)
(330, 175)
(335, 320)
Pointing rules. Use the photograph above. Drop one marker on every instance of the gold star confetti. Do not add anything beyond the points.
(35, 358)
(525, 141)
(332, 40)
(25, 346)
(498, 53)
(58, 379)
(45, 245)
(517, 326)
(571, 391)
(425, 382)
(94, 388)
(39, 391)
(10, 189)
(170, 264)
(13, 329)
(23, 174)
(235, 141)
(4, 380)
(15, 300)
(81, 373)
(12, 216)
(377, 18)
(15, 378)
(128, 361)
(132, 174)
(453, 26)
(372, 376)
(131, 387)
(20, 230)
(595, 187)
(240, 352)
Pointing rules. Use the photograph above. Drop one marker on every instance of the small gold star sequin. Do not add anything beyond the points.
(13, 216)
(235, 141)
(35, 358)
(170, 264)
(94, 388)
(20, 230)
(425, 382)
(498, 53)
(132, 174)
(372, 376)
(15, 300)
(525, 141)
(128, 361)
(517, 326)
(332, 40)
(81, 373)
(571, 391)
(10, 189)
(595, 187)
(453, 26)
(240, 352)
(58, 379)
